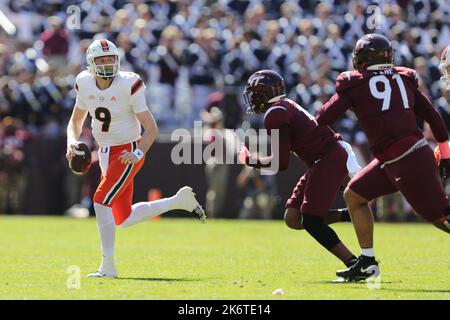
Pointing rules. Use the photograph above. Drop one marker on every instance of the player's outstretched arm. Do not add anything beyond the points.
(425, 110)
(283, 154)
(333, 109)
(74, 129)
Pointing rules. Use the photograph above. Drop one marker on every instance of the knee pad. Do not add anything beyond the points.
(320, 231)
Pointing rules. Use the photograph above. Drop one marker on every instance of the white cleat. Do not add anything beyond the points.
(188, 202)
(107, 269)
(99, 274)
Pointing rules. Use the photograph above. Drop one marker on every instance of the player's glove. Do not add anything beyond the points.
(243, 154)
(442, 156)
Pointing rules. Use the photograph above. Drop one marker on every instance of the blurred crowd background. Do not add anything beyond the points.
(195, 57)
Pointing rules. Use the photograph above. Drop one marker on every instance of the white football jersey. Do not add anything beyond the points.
(113, 109)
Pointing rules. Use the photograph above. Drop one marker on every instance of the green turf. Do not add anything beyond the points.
(223, 259)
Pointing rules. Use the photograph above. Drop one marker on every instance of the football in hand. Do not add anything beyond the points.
(81, 160)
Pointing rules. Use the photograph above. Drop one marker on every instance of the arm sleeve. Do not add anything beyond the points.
(79, 102)
(425, 110)
(137, 100)
(333, 109)
(284, 153)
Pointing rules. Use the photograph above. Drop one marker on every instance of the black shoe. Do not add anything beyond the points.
(365, 267)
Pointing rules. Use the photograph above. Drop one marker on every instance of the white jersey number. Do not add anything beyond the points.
(385, 95)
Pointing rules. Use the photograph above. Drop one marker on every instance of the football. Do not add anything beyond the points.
(81, 161)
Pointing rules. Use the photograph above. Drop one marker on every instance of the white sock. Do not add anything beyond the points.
(106, 229)
(368, 252)
(108, 266)
(142, 211)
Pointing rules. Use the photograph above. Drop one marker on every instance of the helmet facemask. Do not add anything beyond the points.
(253, 103)
(105, 71)
(263, 88)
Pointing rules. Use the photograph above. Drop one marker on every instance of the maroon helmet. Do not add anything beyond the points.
(263, 88)
(372, 49)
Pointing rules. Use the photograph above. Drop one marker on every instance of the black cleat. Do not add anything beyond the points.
(351, 261)
(364, 268)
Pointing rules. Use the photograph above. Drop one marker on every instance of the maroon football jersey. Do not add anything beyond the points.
(299, 131)
(386, 103)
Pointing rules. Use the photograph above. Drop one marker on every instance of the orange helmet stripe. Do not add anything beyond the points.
(104, 45)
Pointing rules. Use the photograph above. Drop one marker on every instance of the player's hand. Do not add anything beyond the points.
(243, 154)
(127, 157)
(71, 145)
(443, 164)
(444, 168)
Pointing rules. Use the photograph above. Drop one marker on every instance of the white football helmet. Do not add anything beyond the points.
(101, 48)
(443, 66)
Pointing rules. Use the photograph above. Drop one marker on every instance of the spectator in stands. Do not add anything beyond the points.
(167, 59)
(55, 45)
(12, 165)
(203, 60)
(216, 169)
(259, 194)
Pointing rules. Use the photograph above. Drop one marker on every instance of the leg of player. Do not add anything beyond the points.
(107, 232)
(318, 229)
(369, 183)
(183, 200)
(362, 217)
(292, 217)
(338, 215)
(421, 187)
(322, 233)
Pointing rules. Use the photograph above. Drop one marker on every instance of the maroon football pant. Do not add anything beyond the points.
(415, 176)
(317, 189)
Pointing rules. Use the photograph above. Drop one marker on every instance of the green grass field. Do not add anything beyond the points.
(222, 259)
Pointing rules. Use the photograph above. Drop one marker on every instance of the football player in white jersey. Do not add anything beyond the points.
(116, 102)
(444, 66)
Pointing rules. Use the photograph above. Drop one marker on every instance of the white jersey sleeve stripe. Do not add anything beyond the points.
(273, 108)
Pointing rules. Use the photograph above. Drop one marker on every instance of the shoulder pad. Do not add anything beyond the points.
(81, 78)
(409, 74)
(275, 117)
(129, 76)
(347, 80)
(133, 81)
